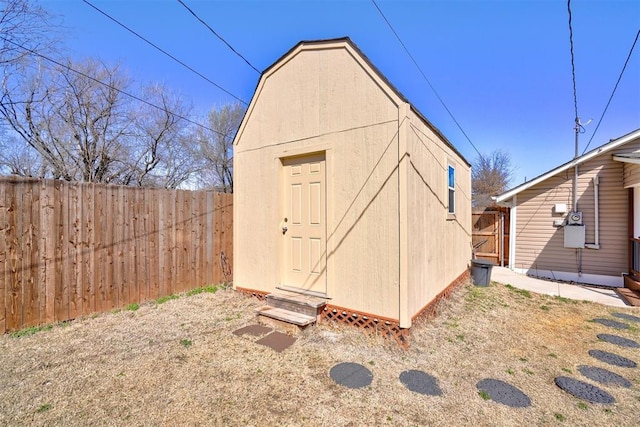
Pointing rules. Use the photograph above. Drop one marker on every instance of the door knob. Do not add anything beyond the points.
(283, 224)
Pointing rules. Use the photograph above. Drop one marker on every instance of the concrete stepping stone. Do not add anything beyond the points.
(625, 316)
(277, 341)
(504, 393)
(617, 340)
(612, 323)
(612, 359)
(351, 375)
(604, 376)
(420, 382)
(253, 330)
(584, 391)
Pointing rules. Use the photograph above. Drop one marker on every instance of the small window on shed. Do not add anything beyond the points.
(452, 189)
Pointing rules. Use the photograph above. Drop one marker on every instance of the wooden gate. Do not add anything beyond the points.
(490, 235)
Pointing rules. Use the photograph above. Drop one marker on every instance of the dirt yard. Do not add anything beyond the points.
(178, 363)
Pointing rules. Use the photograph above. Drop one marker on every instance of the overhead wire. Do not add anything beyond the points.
(573, 66)
(424, 76)
(624, 67)
(165, 52)
(219, 36)
(137, 98)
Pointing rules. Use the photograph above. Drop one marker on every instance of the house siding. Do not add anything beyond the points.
(631, 175)
(540, 245)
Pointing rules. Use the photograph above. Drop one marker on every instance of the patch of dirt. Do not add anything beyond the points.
(179, 363)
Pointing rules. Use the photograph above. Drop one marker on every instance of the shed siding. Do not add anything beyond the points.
(439, 247)
(323, 100)
(540, 245)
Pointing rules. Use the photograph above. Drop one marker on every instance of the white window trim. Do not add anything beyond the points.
(450, 211)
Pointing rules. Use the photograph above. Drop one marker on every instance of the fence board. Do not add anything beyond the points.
(14, 297)
(225, 234)
(99, 242)
(74, 235)
(179, 224)
(153, 236)
(86, 227)
(47, 209)
(110, 250)
(88, 287)
(61, 303)
(30, 270)
(163, 247)
(71, 249)
(4, 232)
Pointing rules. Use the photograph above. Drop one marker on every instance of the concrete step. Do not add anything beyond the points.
(287, 316)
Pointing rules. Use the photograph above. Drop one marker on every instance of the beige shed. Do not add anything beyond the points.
(344, 191)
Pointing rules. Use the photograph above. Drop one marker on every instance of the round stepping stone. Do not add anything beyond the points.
(420, 382)
(612, 323)
(504, 393)
(603, 376)
(626, 316)
(584, 391)
(612, 359)
(352, 375)
(617, 340)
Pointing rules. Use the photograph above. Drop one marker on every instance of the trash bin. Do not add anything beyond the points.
(481, 272)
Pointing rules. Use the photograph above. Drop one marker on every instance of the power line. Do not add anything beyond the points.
(573, 67)
(33, 52)
(165, 52)
(425, 77)
(218, 36)
(614, 91)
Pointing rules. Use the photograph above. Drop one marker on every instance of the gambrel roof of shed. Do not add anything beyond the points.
(598, 151)
(390, 87)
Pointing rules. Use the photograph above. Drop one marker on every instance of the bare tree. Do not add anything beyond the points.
(76, 123)
(491, 175)
(24, 24)
(159, 153)
(78, 118)
(214, 148)
(17, 158)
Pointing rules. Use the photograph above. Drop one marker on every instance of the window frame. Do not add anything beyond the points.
(451, 189)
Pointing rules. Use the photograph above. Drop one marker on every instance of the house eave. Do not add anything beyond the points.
(611, 145)
(626, 159)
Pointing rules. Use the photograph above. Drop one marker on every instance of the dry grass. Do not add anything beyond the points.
(178, 363)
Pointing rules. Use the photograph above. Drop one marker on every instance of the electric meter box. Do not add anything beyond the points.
(574, 236)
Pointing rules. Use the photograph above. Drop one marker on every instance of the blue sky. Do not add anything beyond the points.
(503, 68)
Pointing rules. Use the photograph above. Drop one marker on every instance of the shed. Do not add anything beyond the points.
(345, 191)
(580, 221)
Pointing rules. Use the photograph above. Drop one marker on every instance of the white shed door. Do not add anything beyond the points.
(305, 256)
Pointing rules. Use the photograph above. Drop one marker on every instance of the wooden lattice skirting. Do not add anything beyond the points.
(386, 327)
(431, 309)
(260, 295)
(380, 326)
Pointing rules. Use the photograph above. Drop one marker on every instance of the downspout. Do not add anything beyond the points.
(596, 191)
(512, 232)
(501, 239)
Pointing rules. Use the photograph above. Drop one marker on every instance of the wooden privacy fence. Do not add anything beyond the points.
(490, 234)
(71, 249)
